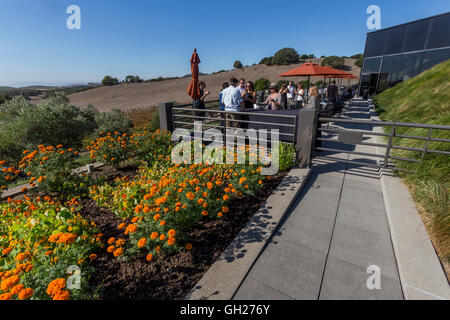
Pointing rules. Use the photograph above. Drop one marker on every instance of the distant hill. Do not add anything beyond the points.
(3, 88)
(128, 96)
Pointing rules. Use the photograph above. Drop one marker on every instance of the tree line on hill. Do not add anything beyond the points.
(285, 56)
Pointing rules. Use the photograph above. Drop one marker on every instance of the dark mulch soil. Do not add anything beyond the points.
(169, 277)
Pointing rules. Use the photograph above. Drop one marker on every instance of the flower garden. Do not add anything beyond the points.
(146, 234)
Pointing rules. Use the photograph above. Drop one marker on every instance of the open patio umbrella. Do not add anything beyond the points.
(310, 70)
(193, 89)
(336, 73)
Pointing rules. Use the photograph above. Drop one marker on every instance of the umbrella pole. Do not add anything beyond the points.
(307, 91)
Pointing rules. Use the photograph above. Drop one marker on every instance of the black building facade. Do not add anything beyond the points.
(395, 54)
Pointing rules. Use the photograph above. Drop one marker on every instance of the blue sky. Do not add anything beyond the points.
(152, 38)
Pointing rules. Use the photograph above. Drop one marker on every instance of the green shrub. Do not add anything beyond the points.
(237, 64)
(113, 121)
(281, 82)
(133, 79)
(285, 56)
(286, 156)
(52, 122)
(262, 84)
(268, 61)
(359, 61)
(50, 168)
(334, 61)
(154, 123)
(110, 81)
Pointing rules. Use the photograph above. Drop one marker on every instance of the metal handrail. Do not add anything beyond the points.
(236, 112)
(387, 123)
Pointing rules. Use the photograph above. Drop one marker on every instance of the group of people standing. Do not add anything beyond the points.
(237, 94)
(291, 96)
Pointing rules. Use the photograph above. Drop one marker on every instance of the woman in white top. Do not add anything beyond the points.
(300, 92)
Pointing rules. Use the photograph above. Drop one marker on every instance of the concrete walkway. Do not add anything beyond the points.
(337, 229)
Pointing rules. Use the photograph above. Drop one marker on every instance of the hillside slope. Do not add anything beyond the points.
(425, 99)
(147, 94)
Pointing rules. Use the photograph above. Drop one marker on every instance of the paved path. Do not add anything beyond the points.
(335, 231)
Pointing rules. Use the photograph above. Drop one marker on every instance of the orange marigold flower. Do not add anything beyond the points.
(6, 296)
(131, 228)
(190, 195)
(147, 196)
(209, 185)
(162, 223)
(134, 219)
(225, 209)
(154, 235)
(189, 246)
(220, 214)
(121, 226)
(226, 197)
(146, 209)
(156, 217)
(158, 248)
(62, 295)
(172, 233)
(142, 242)
(7, 250)
(16, 289)
(205, 213)
(55, 286)
(20, 257)
(26, 293)
(118, 252)
(200, 201)
(111, 240)
(120, 242)
(111, 249)
(93, 256)
(162, 237)
(171, 241)
(149, 257)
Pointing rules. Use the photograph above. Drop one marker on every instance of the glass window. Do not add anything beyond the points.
(416, 35)
(395, 40)
(433, 57)
(371, 65)
(440, 32)
(365, 80)
(375, 43)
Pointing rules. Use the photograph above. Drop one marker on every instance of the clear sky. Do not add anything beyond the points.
(156, 37)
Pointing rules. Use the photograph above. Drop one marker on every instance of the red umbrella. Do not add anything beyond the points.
(193, 89)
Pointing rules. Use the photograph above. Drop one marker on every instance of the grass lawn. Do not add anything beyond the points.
(425, 99)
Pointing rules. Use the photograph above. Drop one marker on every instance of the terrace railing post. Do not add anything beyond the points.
(389, 146)
(305, 136)
(166, 116)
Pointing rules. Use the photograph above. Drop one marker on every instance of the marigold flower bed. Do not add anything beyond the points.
(173, 275)
(149, 234)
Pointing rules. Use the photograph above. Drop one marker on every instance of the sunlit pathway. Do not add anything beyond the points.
(335, 232)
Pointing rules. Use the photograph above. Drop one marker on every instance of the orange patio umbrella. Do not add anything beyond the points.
(310, 70)
(193, 89)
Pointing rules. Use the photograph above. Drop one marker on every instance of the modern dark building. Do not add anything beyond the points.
(395, 54)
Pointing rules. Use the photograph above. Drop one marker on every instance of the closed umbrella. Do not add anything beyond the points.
(193, 89)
